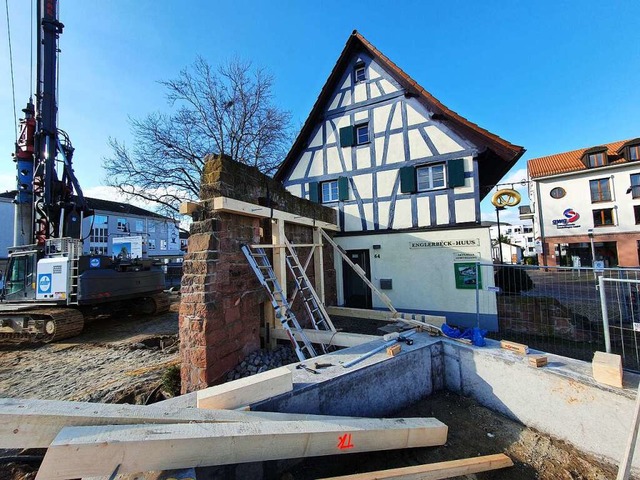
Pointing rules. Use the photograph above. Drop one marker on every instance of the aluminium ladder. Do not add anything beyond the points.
(261, 266)
(312, 303)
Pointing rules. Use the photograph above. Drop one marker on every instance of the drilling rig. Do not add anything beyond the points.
(51, 285)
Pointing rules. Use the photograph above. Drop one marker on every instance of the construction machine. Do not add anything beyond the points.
(50, 283)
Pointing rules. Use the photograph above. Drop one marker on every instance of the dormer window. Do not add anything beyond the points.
(634, 152)
(596, 159)
(360, 73)
(630, 150)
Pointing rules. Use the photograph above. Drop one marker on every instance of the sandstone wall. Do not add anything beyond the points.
(223, 304)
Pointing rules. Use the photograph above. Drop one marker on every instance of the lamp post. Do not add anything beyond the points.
(499, 236)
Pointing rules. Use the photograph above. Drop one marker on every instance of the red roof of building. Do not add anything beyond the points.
(498, 155)
(572, 161)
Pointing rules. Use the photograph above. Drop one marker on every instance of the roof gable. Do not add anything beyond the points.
(497, 154)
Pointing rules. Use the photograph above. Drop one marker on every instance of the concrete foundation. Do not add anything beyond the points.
(561, 399)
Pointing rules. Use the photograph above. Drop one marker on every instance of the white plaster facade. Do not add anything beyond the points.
(412, 176)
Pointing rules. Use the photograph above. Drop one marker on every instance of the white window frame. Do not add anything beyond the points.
(363, 126)
(333, 191)
(429, 169)
(152, 244)
(356, 73)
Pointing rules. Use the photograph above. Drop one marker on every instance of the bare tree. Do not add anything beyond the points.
(226, 110)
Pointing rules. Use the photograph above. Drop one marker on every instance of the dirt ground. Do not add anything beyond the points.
(123, 360)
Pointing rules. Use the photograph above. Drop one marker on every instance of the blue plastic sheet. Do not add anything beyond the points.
(475, 334)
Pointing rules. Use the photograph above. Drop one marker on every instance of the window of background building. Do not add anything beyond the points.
(600, 190)
(557, 192)
(163, 244)
(636, 213)
(431, 177)
(100, 220)
(122, 225)
(152, 227)
(152, 244)
(603, 217)
(596, 159)
(139, 226)
(635, 185)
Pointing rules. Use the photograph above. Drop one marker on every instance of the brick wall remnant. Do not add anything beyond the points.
(222, 301)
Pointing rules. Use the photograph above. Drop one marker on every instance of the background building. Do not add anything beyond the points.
(114, 226)
(521, 236)
(586, 205)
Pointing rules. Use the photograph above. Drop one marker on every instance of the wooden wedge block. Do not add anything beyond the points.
(435, 471)
(79, 452)
(607, 369)
(35, 423)
(246, 391)
(537, 360)
(514, 347)
(393, 350)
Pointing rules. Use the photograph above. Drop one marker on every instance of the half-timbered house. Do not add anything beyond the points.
(406, 175)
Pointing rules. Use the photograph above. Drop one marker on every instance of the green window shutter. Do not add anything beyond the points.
(343, 188)
(314, 192)
(455, 172)
(346, 136)
(407, 180)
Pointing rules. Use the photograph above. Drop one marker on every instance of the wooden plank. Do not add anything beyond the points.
(35, 423)
(514, 347)
(328, 338)
(188, 208)
(607, 368)
(246, 391)
(92, 451)
(435, 471)
(230, 205)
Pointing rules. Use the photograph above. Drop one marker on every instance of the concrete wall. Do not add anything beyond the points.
(561, 400)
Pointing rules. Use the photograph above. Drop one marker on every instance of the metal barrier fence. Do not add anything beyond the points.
(560, 309)
(172, 275)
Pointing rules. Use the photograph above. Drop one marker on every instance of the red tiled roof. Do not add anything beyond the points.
(571, 161)
(499, 154)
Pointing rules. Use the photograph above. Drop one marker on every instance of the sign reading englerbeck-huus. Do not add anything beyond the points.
(466, 242)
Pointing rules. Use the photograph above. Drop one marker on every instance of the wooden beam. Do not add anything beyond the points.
(93, 451)
(246, 391)
(35, 423)
(421, 318)
(324, 337)
(435, 471)
(230, 205)
(279, 255)
(318, 264)
(188, 208)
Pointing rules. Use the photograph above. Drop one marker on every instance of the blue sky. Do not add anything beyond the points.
(549, 75)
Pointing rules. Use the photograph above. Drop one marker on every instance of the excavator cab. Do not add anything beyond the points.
(20, 278)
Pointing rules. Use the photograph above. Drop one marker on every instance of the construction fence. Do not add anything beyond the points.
(566, 311)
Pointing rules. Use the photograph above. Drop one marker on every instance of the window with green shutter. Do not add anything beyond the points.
(313, 192)
(343, 188)
(407, 180)
(346, 136)
(455, 172)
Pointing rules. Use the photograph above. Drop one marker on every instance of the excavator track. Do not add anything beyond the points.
(40, 325)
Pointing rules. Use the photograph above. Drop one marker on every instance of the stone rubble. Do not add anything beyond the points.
(262, 360)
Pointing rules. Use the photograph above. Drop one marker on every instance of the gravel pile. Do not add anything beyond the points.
(263, 360)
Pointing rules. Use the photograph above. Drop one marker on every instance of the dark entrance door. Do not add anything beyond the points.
(356, 293)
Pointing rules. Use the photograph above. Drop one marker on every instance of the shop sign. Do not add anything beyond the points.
(466, 242)
(569, 220)
(466, 257)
